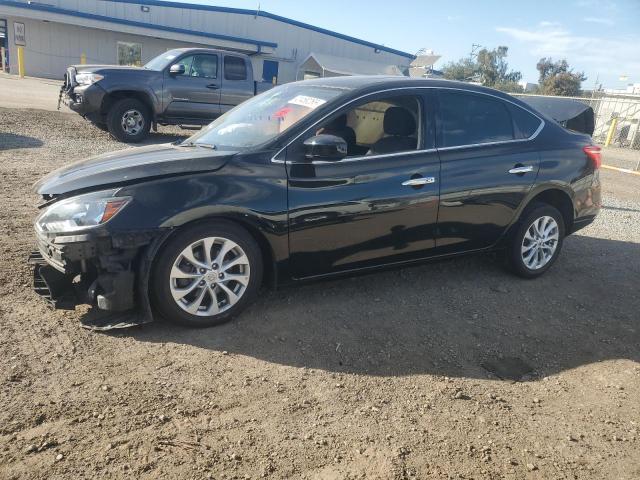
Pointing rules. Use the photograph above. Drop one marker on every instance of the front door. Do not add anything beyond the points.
(195, 94)
(380, 203)
(488, 167)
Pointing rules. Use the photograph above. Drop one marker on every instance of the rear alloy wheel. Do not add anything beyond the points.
(129, 120)
(537, 241)
(207, 274)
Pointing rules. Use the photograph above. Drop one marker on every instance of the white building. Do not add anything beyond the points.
(527, 87)
(58, 33)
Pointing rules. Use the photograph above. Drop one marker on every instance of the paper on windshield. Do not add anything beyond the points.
(307, 101)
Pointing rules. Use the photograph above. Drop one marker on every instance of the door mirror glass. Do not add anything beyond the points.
(325, 147)
(177, 69)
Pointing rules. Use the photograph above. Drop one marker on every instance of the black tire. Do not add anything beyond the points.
(161, 290)
(515, 259)
(100, 126)
(115, 117)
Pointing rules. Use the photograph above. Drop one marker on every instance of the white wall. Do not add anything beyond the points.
(52, 46)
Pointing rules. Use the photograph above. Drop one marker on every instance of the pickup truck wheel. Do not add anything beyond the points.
(206, 274)
(129, 120)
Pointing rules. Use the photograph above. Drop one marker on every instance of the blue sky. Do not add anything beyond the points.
(599, 37)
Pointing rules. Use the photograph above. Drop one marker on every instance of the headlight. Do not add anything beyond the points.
(88, 78)
(81, 212)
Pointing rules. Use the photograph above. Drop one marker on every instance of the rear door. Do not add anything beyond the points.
(237, 83)
(369, 208)
(196, 93)
(489, 164)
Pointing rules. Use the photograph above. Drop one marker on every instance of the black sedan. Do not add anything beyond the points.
(310, 180)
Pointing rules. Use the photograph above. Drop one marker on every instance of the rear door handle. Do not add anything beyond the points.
(418, 181)
(520, 170)
(213, 86)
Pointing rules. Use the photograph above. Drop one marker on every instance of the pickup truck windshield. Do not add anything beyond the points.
(264, 117)
(162, 61)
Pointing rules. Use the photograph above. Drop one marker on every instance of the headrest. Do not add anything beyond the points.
(398, 121)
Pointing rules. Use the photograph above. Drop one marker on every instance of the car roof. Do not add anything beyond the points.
(381, 82)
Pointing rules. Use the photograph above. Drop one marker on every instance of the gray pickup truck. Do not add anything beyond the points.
(186, 87)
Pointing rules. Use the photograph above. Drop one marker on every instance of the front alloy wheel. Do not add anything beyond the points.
(206, 274)
(210, 276)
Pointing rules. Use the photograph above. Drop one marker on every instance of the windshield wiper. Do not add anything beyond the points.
(198, 144)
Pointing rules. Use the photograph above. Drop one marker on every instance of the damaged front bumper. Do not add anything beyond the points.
(110, 273)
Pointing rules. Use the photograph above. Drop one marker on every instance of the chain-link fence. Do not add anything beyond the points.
(617, 118)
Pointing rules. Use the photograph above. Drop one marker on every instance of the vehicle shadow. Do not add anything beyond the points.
(458, 318)
(9, 141)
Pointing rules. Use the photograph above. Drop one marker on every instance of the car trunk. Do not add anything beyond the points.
(568, 112)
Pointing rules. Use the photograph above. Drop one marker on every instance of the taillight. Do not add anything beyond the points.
(594, 154)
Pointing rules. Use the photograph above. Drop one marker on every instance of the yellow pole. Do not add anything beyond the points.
(21, 62)
(83, 59)
(612, 131)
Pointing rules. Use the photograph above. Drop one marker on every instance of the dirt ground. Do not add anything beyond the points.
(451, 370)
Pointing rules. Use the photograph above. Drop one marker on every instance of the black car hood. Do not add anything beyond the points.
(131, 165)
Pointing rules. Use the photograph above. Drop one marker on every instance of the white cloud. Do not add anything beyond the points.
(601, 21)
(592, 53)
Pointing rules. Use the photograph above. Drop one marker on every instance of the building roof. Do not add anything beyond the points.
(39, 7)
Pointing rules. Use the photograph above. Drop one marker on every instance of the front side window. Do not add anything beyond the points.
(468, 119)
(204, 66)
(129, 53)
(388, 125)
(265, 116)
(235, 68)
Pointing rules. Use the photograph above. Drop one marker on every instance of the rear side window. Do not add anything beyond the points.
(468, 119)
(525, 124)
(235, 68)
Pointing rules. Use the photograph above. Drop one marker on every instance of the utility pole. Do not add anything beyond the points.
(474, 50)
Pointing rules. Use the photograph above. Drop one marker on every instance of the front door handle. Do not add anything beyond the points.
(213, 86)
(414, 182)
(521, 170)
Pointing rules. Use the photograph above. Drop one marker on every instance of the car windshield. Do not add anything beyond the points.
(162, 61)
(264, 117)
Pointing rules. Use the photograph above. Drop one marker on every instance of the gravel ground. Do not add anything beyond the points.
(453, 369)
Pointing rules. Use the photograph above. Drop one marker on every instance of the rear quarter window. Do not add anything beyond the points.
(235, 68)
(525, 123)
(469, 119)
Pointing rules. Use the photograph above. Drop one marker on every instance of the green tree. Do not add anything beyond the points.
(490, 68)
(556, 78)
(464, 70)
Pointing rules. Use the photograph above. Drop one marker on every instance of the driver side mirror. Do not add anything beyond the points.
(177, 69)
(325, 147)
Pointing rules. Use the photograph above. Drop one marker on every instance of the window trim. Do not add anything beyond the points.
(274, 159)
